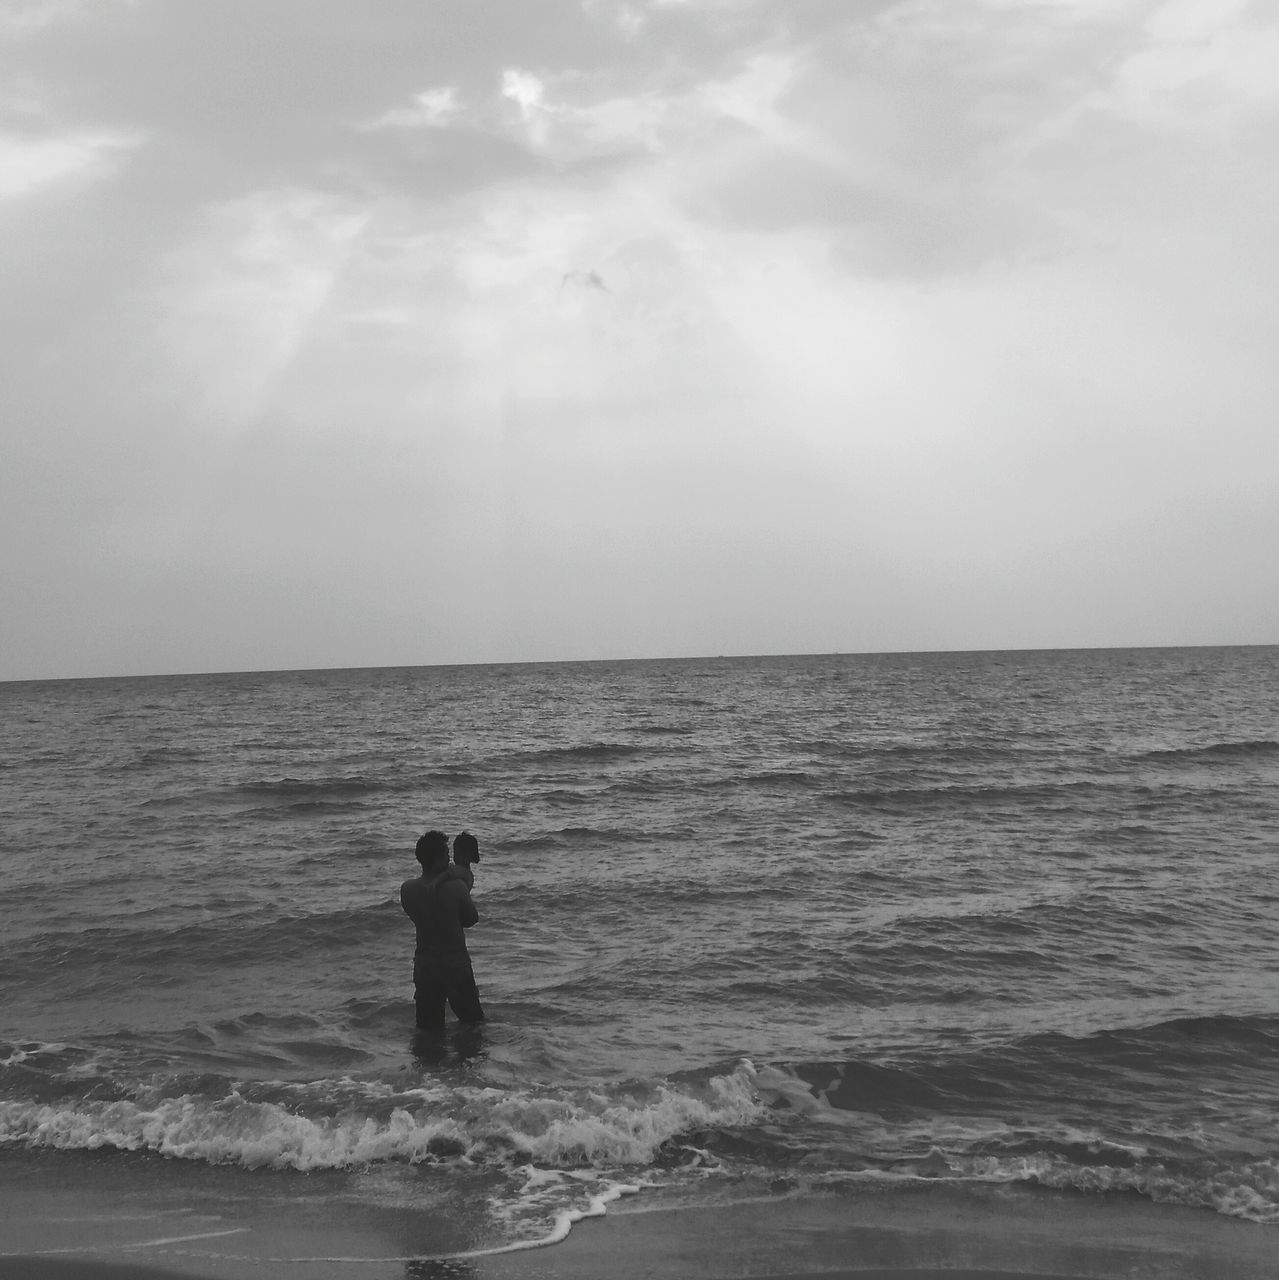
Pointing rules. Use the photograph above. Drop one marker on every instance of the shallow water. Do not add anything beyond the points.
(977, 917)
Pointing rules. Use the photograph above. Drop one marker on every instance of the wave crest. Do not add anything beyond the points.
(584, 1129)
(1217, 751)
(1249, 1190)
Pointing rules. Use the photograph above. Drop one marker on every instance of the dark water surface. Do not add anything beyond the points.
(774, 922)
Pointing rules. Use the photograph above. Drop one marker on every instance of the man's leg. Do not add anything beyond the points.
(429, 992)
(463, 994)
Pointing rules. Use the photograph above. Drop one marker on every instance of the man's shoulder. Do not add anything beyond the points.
(414, 889)
(441, 882)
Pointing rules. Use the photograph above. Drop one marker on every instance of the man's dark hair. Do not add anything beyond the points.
(432, 850)
(466, 848)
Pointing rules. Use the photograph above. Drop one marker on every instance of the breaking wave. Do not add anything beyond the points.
(340, 1124)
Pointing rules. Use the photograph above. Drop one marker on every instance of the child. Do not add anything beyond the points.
(466, 852)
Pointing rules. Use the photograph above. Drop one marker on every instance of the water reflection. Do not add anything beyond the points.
(439, 1269)
(457, 1043)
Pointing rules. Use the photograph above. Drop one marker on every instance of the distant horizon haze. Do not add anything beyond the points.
(605, 660)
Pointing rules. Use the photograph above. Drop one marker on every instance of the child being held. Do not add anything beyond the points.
(466, 852)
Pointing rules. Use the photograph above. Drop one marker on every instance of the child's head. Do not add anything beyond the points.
(466, 849)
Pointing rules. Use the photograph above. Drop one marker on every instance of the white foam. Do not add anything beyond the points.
(1249, 1191)
(583, 1128)
(562, 1220)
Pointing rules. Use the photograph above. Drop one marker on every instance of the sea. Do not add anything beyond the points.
(748, 926)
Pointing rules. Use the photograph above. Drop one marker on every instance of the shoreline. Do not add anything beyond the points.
(24, 1268)
(83, 1221)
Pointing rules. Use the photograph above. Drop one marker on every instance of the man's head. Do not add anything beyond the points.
(466, 849)
(433, 851)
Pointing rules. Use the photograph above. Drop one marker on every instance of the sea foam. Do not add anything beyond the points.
(582, 1128)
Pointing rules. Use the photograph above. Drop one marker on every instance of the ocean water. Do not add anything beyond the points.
(747, 926)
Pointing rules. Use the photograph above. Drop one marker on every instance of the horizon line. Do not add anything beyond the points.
(705, 657)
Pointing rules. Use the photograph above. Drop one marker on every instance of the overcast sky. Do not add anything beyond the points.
(418, 331)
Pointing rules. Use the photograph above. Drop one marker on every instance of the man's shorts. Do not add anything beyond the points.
(438, 980)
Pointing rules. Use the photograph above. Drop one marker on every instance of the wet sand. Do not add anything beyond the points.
(99, 1231)
(45, 1269)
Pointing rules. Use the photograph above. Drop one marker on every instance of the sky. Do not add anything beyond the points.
(435, 331)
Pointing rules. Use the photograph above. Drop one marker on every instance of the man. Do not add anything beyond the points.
(439, 904)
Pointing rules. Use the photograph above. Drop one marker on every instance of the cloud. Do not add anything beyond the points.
(25, 17)
(573, 118)
(431, 109)
(235, 305)
(559, 129)
(637, 328)
(751, 95)
(1205, 62)
(31, 165)
(1188, 68)
(528, 92)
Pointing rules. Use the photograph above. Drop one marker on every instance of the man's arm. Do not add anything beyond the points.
(464, 874)
(411, 898)
(466, 913)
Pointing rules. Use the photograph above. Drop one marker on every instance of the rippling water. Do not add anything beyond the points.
(745, 922)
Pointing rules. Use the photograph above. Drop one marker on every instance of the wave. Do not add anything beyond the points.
(306, 788)
(299, 794)
(266, 794)
(584, 753)
(257, 935)
(1248, 1190)
(931, 754)
(1014, 1113)
(1181, 1111)
(1217, 751)
(594, 838)
(775, 778)
(1226, 1041)
(1110, 1067)
(897, 799)
(346, 1123)
(161, 758)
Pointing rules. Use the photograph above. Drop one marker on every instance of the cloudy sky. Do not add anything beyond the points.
(418, 331)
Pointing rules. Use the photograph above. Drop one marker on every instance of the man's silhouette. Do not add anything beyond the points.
(440, 905)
